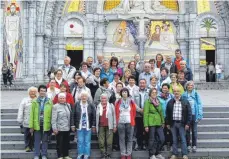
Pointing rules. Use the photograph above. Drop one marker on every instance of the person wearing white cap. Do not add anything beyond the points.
(61, 124)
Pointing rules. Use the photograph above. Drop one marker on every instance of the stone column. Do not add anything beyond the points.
(1, 32)
(182, 31)
(88, 48)
(89, 38)
(61, 52)
(226, 67)
(194, 58)
(100, 35)
(31, 51)
(40, 60)
(141, 37)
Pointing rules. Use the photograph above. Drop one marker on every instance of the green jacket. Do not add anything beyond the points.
(34, 121)
(151, 116)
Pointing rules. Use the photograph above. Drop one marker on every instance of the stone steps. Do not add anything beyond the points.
(95, 154)
(202, 143)
(205, 121)
(213, 137)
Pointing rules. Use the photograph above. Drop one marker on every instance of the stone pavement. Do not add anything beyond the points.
(11, 99)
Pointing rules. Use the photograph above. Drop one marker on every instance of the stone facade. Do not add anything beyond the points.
(44, 40)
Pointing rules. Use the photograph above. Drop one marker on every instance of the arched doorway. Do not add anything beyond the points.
(73, 32)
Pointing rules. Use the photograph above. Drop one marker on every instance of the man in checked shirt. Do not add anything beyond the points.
(178, 118)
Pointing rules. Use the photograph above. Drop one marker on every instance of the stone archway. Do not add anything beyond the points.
(194, 45)
(87, 36)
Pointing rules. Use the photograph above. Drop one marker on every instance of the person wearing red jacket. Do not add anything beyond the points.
(59, 80)
(125, 110)
(69, 98)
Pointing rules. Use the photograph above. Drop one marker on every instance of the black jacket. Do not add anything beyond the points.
(76, 116)
(93, 88)
(186, 112)
(173, 68)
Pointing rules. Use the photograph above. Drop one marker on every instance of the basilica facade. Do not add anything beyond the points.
(37, 35)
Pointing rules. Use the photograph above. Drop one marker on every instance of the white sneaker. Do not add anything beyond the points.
(194, 149)
(153, 157)
(173, 157)
(189, 148)
(159, 156)
(67, 157)
(79, 156)
(185, 157)
(86, 157)
(36, 157)
(44, 157)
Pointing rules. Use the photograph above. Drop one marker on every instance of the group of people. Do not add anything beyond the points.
(143, 106)
(214, 73)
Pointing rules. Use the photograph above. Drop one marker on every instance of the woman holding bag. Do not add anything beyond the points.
(154, 123)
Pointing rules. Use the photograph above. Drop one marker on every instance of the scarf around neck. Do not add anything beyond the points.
(125, 104)
(154, 101)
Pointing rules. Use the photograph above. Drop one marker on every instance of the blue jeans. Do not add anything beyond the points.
(28, 138)
(84, 142)
(125, 132)
(41, 136)
(155, 145)
(193, 127)
(219, 76)
(178, 128)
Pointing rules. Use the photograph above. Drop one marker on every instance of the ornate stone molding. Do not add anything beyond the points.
(219, 21)
(74, 15)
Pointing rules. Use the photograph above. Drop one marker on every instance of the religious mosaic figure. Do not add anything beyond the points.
(121, 36)
(13, 38)
(166, 37)
(156, 35)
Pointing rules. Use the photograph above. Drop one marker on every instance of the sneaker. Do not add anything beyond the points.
(128, 157)
(67, 157)
(44, 157)
(159, 156)
(173, 157)
(36, 157)
(189, 148)
(153, 157)
(194, 149)
(79, 156)
(27, 149)
(61, 158)
(86, 157)
(185, 157)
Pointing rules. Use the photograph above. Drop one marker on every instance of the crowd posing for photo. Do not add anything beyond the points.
(151, 105)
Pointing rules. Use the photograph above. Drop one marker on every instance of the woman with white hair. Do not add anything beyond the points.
(23, 117)
(197, 114)
(84, 119)
(61, 123)
(105, 125)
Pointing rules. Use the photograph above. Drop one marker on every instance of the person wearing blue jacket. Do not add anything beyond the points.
(107, 72)
(197, 114)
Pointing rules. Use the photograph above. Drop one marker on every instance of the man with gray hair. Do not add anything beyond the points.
(99, 62)
(68, 70)
(170, 65)
(187, 71)
(146, 74)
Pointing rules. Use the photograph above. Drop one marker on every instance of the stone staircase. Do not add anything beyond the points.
(213, 137)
